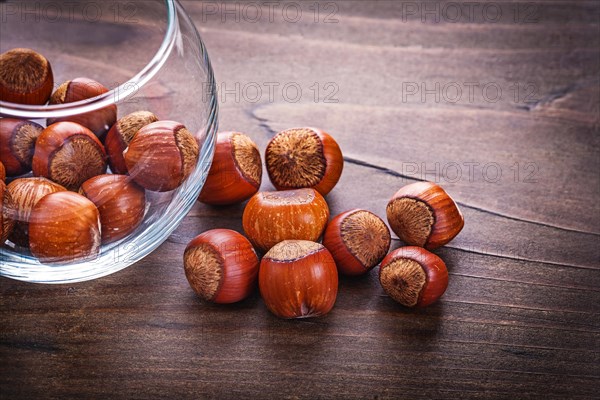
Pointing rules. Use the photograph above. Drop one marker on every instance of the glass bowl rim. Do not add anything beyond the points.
(114, 96)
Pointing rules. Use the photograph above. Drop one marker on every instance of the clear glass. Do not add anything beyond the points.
(150, 55)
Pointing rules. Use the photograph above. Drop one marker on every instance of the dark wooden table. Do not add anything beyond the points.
(501, 107)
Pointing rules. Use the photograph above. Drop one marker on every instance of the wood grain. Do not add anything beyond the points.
(521, 316)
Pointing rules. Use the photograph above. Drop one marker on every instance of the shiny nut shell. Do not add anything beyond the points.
(221, 266)
(161, 156)
(298, 279)
(413, 276)
(6, 224)
(68, 154)
(120, 135)
(271, 217)
(64, 227)
(236, 171)
(98, 121)
(120, 201)
(423, 214)
(17, 144)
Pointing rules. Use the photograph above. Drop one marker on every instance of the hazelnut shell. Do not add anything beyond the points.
(25, 194)
(423, 214)
(64, 227)
(271, 217)
(25, 77)
(358, 240)
(98, 121)
(69, 154)
(120, 202)
(298, 279)
(17, 144)
(304, 158)
(221, 266)
(120, 135)
(6, 224)
(236, 171)
(161, 156)
(413, 276)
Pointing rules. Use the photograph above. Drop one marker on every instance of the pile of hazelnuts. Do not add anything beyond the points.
(60, 202)
(297, 276)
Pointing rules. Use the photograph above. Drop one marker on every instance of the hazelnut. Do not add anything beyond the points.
(25, 194)
(413, 276)
(6, 224)
(17, 143)
(69, 154)
(120, 202)
(304, 158)
(358, 240)
(98, 121)
(64, 227)
(120, 135)
(236, 171)
(423, 214)
(221, 266)
(298, 279)
(25, 77)
(271, 217)
(161, 156)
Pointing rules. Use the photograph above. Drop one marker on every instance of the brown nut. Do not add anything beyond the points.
(25, 77)
(64, 227)
(271, 217)
(413, 276)
(120, 201)
(423, 214)
(17, 144)
(120, 135)
(98, 121)
(25, 194)
(358, 240)
(298, 279)
(304, 158)
(236, 171)
(69, 154)
(221, 266)
(6, 224)
(161, 156)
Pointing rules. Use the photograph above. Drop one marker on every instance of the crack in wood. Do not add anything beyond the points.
(491, 254)
(391, 172)
(490, 278)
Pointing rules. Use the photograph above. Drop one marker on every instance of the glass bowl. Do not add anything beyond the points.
(150, 57)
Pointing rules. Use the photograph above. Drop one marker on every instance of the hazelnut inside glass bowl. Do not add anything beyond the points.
(150, 57)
